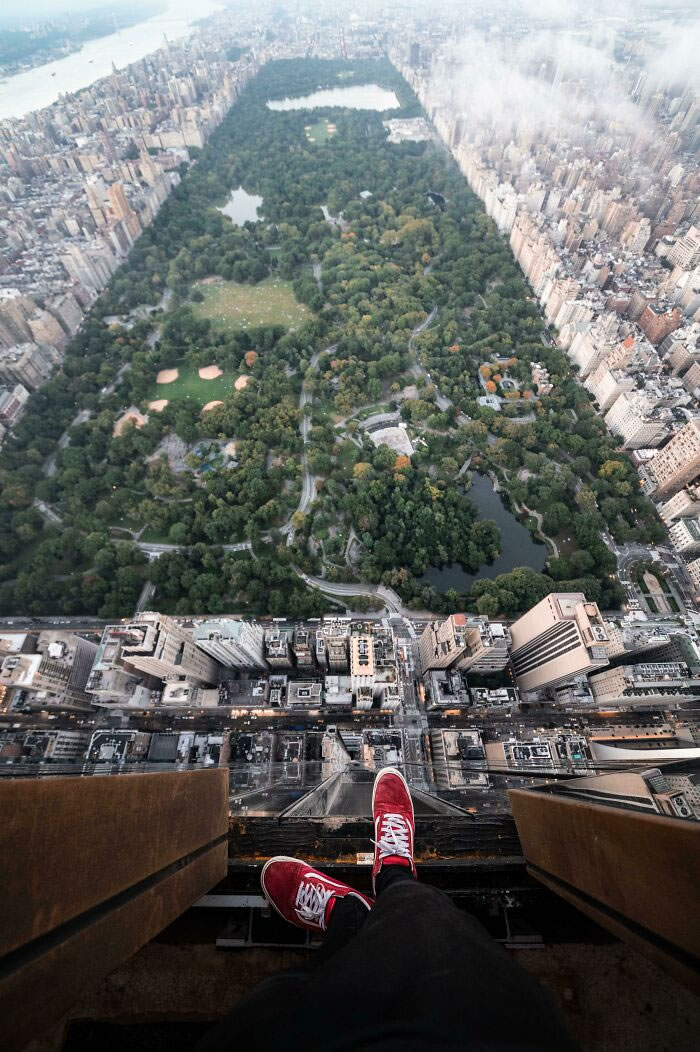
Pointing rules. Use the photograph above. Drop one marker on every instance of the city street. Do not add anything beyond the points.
(629, 554)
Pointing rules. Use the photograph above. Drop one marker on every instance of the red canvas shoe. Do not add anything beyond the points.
(394, 825)
(301, 894)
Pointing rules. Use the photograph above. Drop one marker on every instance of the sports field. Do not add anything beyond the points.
(232, 306)
(190, 386)
(321, 131)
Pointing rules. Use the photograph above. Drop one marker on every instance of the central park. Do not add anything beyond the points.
(337, 367)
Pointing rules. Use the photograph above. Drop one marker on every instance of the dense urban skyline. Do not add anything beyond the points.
(387, 357)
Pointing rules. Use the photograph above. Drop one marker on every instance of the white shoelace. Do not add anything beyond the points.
(394, 837)
(311, 902)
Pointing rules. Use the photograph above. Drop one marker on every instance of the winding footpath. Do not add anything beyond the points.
(416, 369)
(308, 483)
(538, 517)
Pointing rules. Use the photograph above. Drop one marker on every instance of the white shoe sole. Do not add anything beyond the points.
(290, 858)
(276, 858)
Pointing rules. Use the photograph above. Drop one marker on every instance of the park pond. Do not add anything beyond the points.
(352, 97)
(242, 207)
(517, 545)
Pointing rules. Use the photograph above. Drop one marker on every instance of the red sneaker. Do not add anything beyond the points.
(394, 825)
(301, 894)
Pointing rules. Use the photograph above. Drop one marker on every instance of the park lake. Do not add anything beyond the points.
(517, 545)
(242, 207)
(352, 97)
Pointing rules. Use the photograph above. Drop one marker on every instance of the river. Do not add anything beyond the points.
(517, 546)
(39, 87)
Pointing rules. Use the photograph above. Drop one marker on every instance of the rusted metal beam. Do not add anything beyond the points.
(637, 874)
(91, 870)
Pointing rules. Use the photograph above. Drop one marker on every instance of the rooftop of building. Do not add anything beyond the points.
(221, 628)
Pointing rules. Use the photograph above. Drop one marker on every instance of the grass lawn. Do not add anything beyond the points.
(348, 455)
(321, 131)
(151, 536)
(372, 410)
(189, 386)
(231, 306)
(566, 547)
(243, 556)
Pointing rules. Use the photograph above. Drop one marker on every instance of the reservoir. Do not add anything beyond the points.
(242, 207)
(39, 87)
(517, 546)
(353, 97)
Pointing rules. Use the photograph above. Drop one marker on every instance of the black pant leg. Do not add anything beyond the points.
(423, 974)
(268, 1012)
(348, 916)
(419, 975)
(390, 875)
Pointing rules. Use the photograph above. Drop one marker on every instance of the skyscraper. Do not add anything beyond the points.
(235, 644)
(678, 462)
(166, 650)
(461, 642)
(122, 210)
(561, 637)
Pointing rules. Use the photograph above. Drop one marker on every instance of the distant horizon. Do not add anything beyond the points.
(42, 11)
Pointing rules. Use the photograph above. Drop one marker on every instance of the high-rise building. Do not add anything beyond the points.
(117, 747)
(109, 682)
(464, 643)
(648, 683)
(321, 652)
(12, 403)
(58, 746)
(337, 653)
(691, 380)
(606, 385)
(362, 670)
(27, 364)
(634, 418)
(332, 645)
(46, 329)
(459, 761)
(593, 345)
(679, 350)
(91, 263)
(682, 505)
(15, 311)
(164, 649)
(64, 671)
(122, 210)
(304, 694)
(678, 462)
(686, 251)
(304, 649)
(555, 751)
(561, 637)
(685, 535)
(693, 569)
(278, 652)
(657, 323)
(67, 310)
(233, 643)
